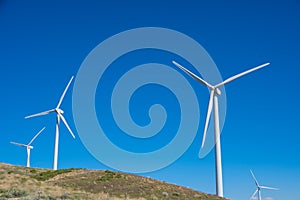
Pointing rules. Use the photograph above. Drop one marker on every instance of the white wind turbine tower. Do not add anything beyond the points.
(28, 146)
(259, 187)
(213, 102)
(59, 116)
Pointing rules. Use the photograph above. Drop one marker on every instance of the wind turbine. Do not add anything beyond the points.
(59, 116)
(259, 187)
(213, 102)
(28, 146)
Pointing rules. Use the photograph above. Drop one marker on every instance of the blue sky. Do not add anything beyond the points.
(42, 44)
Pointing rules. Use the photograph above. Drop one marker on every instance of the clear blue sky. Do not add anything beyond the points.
(43, 43)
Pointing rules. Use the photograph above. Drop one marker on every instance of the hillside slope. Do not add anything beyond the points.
(32, 183)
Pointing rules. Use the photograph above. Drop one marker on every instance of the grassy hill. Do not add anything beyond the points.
(32, 183)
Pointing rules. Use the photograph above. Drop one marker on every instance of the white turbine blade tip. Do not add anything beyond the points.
(252, 197)
(194, 76)
(36, 135)
(30, 116)
(178, 65)
(67, 125)
(256, 182)
(64, 93)
(40, 114)
(203, 142)
(19, 144)
(15, 143)
(267, 63)
(209, 111)
(241, 74)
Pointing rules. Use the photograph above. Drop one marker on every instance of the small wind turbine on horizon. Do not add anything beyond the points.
(213, 103)
(259, 187)
(59, 116)
(28, 146)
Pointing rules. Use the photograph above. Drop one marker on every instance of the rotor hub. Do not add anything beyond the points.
(58, 110)
(217, 91)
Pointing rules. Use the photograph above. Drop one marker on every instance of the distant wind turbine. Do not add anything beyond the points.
(259, 187)
(59, 116)
(28, 146)
(213, 102)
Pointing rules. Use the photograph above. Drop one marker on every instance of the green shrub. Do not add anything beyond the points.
(43, 176)
(175, 194)
(118, 176)
(23, 180)
(108, 175)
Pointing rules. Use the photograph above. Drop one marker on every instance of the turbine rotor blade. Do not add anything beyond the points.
(36, 136)
(40, 114)
(64, 93)
(254, 193)
(19, 144)
(194, 76)
(269, 188)
(209, 110)
(256, 182)
(241, 74)
(66, 124)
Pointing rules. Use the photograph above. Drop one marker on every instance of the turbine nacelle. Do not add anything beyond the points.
(217, 91)
(58, 110)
